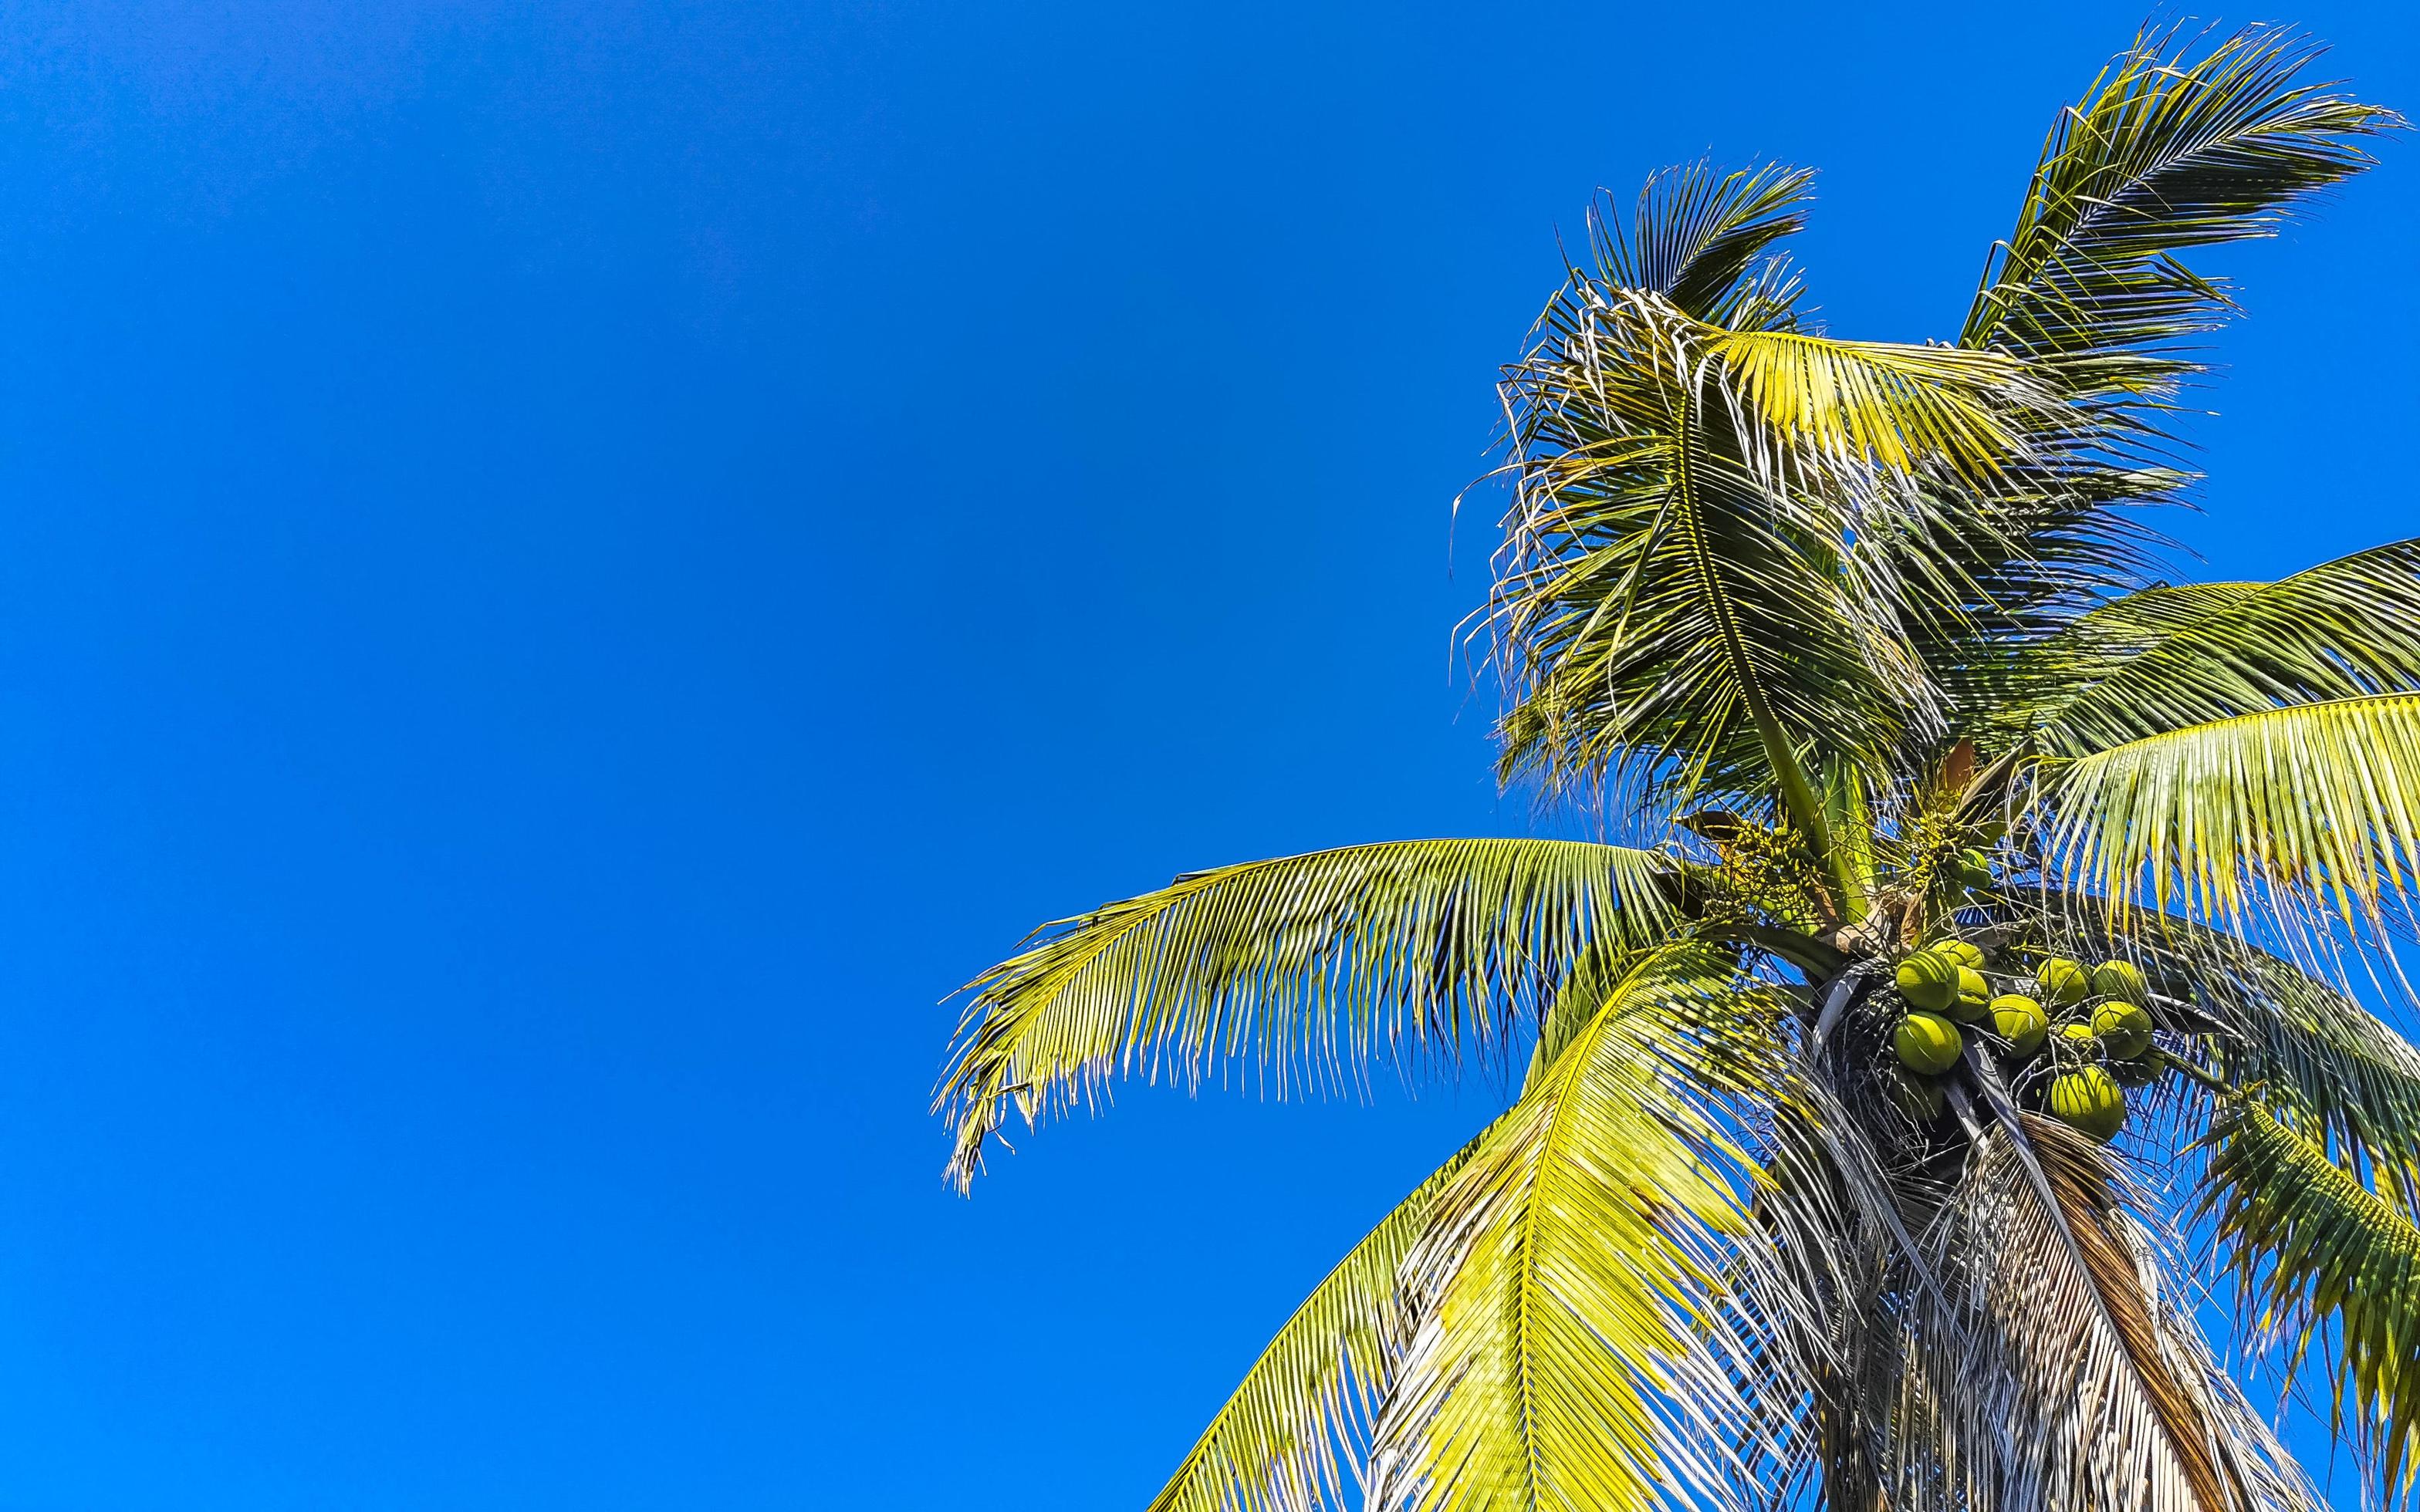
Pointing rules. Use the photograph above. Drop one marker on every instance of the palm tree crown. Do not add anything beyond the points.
(1983, 961)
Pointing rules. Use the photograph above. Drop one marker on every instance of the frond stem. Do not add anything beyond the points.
(1798, 795)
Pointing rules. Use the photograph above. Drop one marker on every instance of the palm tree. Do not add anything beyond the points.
(1862, 643)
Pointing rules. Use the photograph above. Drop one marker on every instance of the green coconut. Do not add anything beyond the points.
(2121, 979)
(2064, 984)
(1964, 952)
(1974, 997)
(1974, 868)
(1927, 1043)
(2021, 1022)
(1928, 980)
(2079, 1036)
(2089, 1098)
(2123, 1029)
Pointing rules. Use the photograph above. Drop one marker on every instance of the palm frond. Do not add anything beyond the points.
(2318, 801)
(1575, 1350)
(2166, 657)
(2182, 144)
(1874, 403)
(1706, 243)
(1675, 595)
(2177, 146)
(2311, 1246)
(1315, 1389)
(1302, 965)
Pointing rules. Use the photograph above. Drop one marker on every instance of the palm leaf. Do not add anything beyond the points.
(2311, 1245)
(1675, 595)
(1572, 1352)
(1706, 243)
(1274, 1446)
(2167, 657)
(2182, 144)
(1302, 965)
(2318, 801)
(2177, 146)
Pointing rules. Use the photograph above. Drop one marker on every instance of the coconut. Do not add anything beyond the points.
(1974, 868)
(2079, 1037)
(2021, 1022)
(2122, 980)
(2123, 1029)
(1927, 1043)
(2089, 1098)
(1964, 952)
(1928, 980)
(1974, 997)
(2064, 984)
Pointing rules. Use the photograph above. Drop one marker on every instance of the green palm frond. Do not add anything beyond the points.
(2310, 1244)
(2182, 144)
(2177, 146)
(2327, 1066)
(1676, 594)
(2317, 801)
(1302, 965)
(1706, 243)
(1572, 1353)
(2171, 657)
(1316, 1387)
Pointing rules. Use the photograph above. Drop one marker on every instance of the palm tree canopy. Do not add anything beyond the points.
(1988, 953)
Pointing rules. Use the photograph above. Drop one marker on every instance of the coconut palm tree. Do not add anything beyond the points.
(1973, 997)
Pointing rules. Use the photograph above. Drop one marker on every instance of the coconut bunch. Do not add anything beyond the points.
(2068, 1039)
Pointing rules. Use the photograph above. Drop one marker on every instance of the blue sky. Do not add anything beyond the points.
(568, 570)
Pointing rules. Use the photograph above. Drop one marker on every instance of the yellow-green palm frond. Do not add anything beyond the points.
(2182, 142)
(1678, 593)
(2312, 1247)
(2179, 145)
(2166, 657)
(2316, 801)
(1875, 403)
(1575, 1349)
(1303, 965)
(1315, 1389)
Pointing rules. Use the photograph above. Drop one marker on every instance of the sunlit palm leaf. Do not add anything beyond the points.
(2320, 800)
(2311, 1245)
(1274, 1447)
(1855, 403)
(1675, 594)
(2167, 657)
(1302, 965)
(1571, 1351)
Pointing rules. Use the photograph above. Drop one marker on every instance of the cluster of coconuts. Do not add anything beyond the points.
(2103, 1040)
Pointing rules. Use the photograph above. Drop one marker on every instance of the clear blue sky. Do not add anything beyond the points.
(568, 570)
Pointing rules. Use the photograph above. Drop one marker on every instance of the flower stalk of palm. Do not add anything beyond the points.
(1969, 848)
